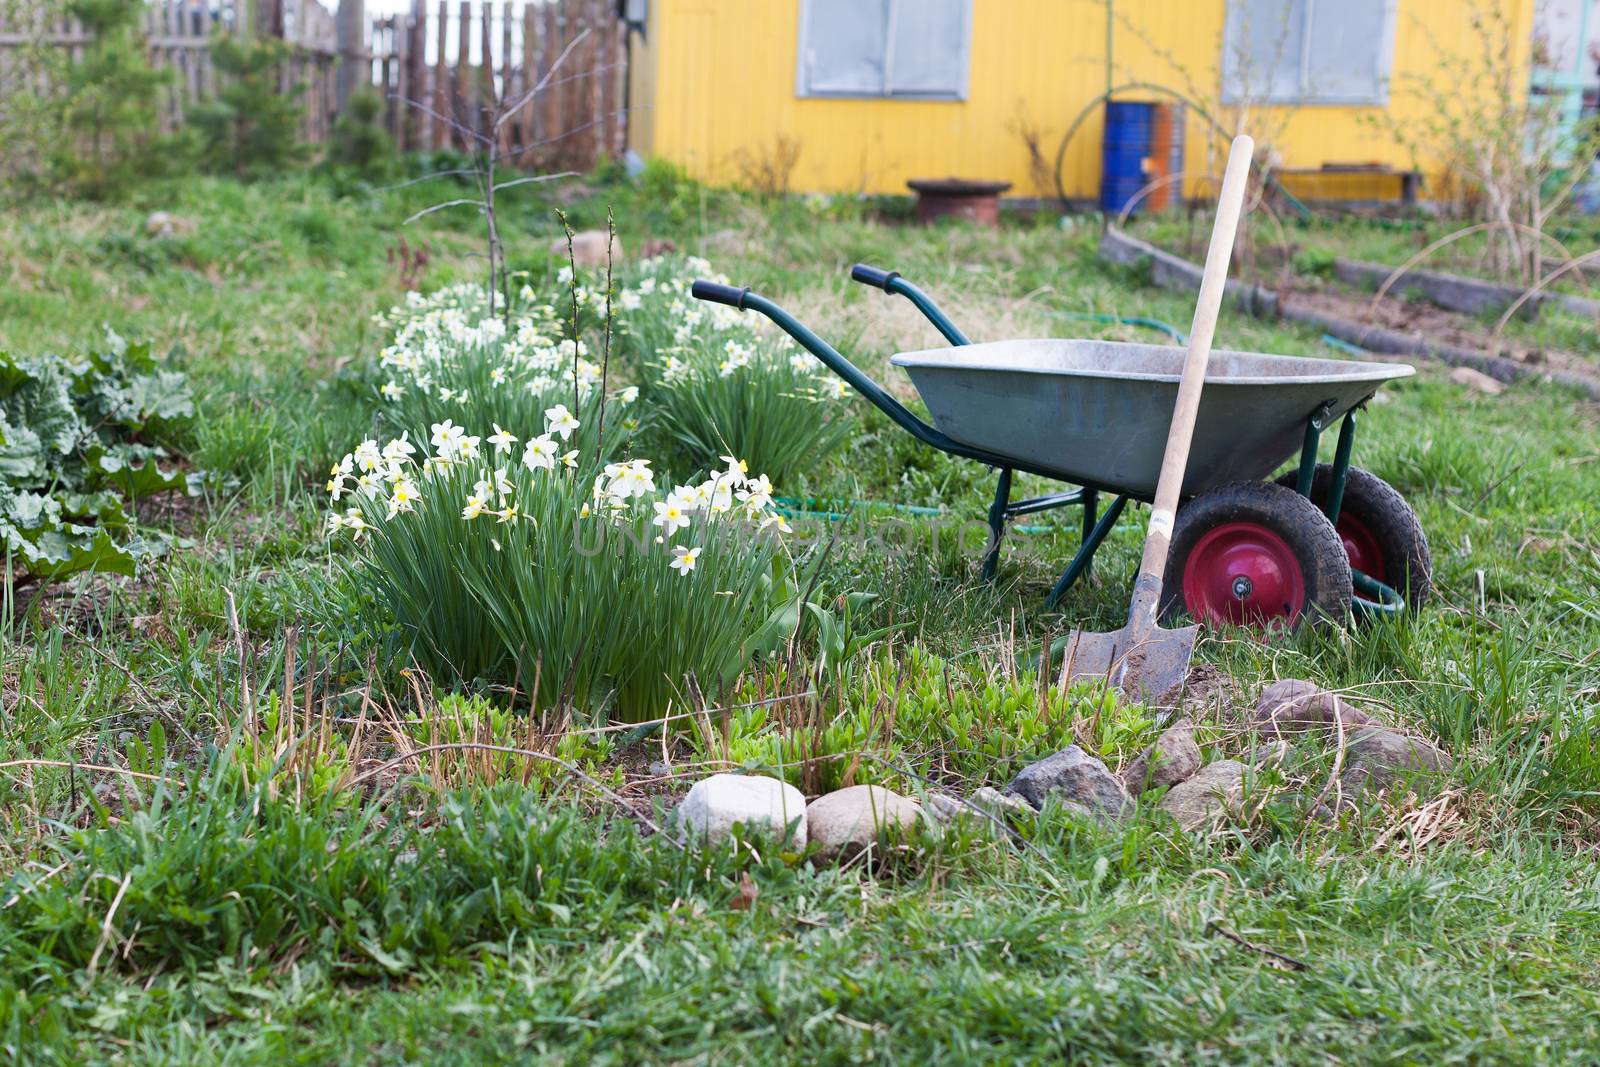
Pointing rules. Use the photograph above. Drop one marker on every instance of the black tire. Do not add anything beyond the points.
(1261, 531)
(1380, 532)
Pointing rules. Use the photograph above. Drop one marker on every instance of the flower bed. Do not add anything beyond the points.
(531, 563)
(719, 381)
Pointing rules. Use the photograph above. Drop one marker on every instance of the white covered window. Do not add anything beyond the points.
(1308, 51)
(903, 48)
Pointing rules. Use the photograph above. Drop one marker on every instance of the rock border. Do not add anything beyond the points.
(1169, 271)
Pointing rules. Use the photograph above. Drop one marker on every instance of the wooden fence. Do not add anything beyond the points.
(439, 72)
(444, 72)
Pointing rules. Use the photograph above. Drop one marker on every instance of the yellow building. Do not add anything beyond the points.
(849, 96)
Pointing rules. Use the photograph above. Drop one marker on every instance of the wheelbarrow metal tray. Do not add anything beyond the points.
(1096, 412)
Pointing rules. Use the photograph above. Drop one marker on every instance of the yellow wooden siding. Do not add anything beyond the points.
(716, 89)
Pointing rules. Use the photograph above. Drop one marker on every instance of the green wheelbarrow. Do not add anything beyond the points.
(1319, 542)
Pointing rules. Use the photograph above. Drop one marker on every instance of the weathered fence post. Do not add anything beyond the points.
(353, 70)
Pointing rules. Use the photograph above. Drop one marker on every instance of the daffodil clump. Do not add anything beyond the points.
(524, 561)
(453, 357)
(719, 380)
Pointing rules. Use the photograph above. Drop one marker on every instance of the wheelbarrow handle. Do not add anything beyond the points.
(873, 276)
(892, 283)
(715, 293)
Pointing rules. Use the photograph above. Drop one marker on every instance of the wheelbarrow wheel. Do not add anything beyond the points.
(1381, 534)
(1259, 555)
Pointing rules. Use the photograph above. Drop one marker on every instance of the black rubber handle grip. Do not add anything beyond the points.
(719, 294)
(878, 279)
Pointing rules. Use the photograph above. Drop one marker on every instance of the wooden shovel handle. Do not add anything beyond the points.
(1158, 539)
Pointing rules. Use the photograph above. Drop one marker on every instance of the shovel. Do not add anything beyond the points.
(1143, 660)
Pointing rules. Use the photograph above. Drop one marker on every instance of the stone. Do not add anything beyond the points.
(1476, 379)
(588, 248)
(1211, 794)
(1293, 706)
(1272, 754)
(1377, 758)
(998, 804)
(847, 821)
(1077, 777)
(1174, 758)
(166, 224)
(715, 805)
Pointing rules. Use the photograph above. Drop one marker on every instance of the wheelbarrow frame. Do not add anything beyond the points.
(1372, 596)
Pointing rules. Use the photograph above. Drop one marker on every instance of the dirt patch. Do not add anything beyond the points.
(1428, 321)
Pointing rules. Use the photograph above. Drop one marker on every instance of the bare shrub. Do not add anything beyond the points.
(1508, 155)
(768, 170)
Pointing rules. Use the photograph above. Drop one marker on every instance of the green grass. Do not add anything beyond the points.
(274, 912)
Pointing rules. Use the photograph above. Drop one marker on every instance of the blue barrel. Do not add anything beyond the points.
(1124, 149)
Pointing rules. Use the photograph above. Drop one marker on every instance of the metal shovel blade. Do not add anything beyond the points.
(1144, 663)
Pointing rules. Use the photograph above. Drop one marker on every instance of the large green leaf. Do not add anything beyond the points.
(76, 438)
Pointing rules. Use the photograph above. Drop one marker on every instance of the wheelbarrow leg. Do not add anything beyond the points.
(1086, 551)
(1091, 512)
(997, 524)
(1341, 465)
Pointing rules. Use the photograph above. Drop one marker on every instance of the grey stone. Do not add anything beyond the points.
(945, 808)
(166, 224)
(1077, 777)
(1293, 706)
(1377, 758)
(1272, 754)
(997, 803)
(715, 805)
(849, 820)
(1211, 794)
(1174, 758)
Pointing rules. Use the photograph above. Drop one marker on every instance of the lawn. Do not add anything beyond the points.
(268, 885)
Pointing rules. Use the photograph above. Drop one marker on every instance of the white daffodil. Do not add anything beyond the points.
(447, 437)
(392, 390)
(561, 421)
(633, 479)
(670, 516)
(355, 523)
(628, 395)
(757, 495)
(569, 459)
(398, 450)
(738, 471)
(502, 484)
(404, 497)
(475, 505)
(467, 449)
(508, 513)
(497, 376)
(684, 559)
(540, 453)
(501, 440)
(369, 485)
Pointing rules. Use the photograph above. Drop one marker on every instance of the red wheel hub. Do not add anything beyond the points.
(1361, 546)
(1243, 574)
